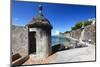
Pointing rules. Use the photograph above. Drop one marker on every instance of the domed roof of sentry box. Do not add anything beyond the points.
(40, 20)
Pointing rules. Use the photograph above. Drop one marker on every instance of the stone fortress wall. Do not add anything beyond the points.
(89, 34)
(19, 37)
(19, 43)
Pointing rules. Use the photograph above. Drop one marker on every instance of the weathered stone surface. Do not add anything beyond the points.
(75, 55)
(43, 42)
(89, 34)
(19, 43)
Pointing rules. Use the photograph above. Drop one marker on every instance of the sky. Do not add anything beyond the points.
(61, 16)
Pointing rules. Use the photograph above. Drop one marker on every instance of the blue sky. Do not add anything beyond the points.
(61, 16)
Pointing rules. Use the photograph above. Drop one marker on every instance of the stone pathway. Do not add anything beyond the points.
(76, 55)
(44, 61)
(72, 55)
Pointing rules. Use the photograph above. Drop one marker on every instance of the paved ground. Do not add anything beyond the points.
(32, 60)
(77, 54)
(71, 55)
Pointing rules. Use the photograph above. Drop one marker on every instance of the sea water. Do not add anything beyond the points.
(59, 40)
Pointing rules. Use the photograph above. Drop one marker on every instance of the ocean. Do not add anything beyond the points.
(59, 40)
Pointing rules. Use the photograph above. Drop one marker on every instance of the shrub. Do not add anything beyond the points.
(79, 25)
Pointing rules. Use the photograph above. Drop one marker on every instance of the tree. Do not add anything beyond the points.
(79, 25)
(66, 31)
(73, 28)
(87, 23)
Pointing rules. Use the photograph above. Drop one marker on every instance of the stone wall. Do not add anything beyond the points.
(89, 34)
(19, 40)
(43, 42)
(76, 33)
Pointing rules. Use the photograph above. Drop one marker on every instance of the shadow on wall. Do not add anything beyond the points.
(61, 47)
(58, 47)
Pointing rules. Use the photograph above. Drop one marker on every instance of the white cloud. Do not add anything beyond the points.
(56, 32)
